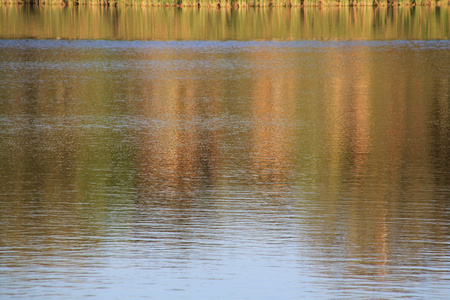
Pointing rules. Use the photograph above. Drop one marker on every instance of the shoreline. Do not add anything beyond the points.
(228, 3)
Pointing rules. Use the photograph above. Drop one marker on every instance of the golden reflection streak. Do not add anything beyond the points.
(179, 145)
(351, 112)
(272, 108)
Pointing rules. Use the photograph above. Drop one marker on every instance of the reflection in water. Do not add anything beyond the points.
(273, 132)
(280, 23)
(147, 168)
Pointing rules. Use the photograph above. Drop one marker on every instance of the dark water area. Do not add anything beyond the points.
(219, 169)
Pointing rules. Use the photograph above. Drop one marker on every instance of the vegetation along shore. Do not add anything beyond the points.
(232, 3)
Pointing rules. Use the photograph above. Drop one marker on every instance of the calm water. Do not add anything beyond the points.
(224, 169)
(137, 23)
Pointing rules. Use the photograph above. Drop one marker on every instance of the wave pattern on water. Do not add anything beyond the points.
(224, 169)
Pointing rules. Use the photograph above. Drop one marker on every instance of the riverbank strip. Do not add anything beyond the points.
(232, 3)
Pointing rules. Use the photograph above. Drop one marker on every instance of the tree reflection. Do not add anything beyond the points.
(161, 23)
(172, 141)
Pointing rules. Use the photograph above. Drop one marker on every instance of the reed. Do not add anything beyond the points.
(232, 3)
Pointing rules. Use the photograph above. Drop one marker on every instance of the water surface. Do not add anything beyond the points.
(282, 24)
(224, 169)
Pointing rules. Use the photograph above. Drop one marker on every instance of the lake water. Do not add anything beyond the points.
(224, 167)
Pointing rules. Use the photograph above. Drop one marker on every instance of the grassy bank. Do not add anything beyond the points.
(232, 3)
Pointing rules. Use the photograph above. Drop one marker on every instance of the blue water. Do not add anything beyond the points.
(224, 170)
